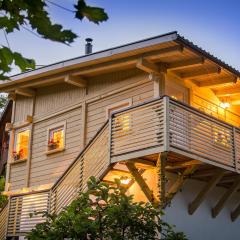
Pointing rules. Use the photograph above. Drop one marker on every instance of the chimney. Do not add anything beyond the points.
(88, 46)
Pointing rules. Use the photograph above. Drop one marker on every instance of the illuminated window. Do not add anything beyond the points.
(56, 138)
(118, 106)
(21, 145)
(122, 120)
(122, 123)
(221, 137)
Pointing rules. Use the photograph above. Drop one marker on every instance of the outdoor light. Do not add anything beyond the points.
(125, 180)
(224, 105)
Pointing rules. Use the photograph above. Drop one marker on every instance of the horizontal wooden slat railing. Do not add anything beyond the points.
(3, 222)
(160, 125)
(20, 208)
(93, 161)
(137, 131)
(169, 125)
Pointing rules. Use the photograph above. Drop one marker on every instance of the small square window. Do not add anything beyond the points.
(21, 145)
(56, 138)
(222, 137)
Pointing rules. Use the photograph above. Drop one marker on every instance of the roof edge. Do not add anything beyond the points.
(181, 40)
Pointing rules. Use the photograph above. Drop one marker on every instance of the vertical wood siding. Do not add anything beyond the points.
(96, 113)
(53, 98)
(23, 108)
(45, 168)
(111, 81)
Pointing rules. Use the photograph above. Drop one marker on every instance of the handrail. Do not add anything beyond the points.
(80, 154)
(177, 102)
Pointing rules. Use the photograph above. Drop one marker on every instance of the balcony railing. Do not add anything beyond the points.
(168, 125)
(153, 127)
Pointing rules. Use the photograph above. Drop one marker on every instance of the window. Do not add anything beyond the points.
(121, 121)
(221, 136)
(118, 106)
(21, 145)
(56, 138)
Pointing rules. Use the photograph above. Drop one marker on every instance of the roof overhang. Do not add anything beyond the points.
(170, 50)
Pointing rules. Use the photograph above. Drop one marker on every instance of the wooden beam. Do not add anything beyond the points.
(143, 164)
(129, 61)
(119, 172)
(161, 172)
(227, 92)
(226, 196)
(185, 64)
(12, 96)
(76, 81)
(142, 184)
(147, 66)
(193, 206)
(216, 82)
(174, 189)
(176, 165)
(200, 73)
(27, 92)
(235, 213)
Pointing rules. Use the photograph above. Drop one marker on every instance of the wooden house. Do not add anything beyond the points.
(162, 114)
(4, 136)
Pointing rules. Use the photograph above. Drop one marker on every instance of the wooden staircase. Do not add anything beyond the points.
(162, 135)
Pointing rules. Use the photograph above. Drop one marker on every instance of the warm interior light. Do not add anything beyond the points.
(174, 97)
(125, 180)
(224, 105)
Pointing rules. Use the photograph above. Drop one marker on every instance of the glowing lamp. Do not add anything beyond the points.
(224, 105)
(125, 180)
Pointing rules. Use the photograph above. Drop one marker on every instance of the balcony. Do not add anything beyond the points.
(166, 125)
(130, 142)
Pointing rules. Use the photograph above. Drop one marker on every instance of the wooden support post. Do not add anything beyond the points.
(226, 196)
(142, 184)
(161, 164)
(193, 206)
(84, 124)
(235, 213)
(179, 182)
(158, 83)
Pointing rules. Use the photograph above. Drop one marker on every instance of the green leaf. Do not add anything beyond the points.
(93, 14)
(23, 63)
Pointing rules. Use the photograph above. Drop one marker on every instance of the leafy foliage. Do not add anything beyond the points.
(3, 199)
(28, 13)
(105, 212)
(3, 101)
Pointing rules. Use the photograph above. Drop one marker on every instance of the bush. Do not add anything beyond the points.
(3, 199)
(105, 212)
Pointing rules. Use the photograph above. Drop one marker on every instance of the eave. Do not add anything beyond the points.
(169, 52)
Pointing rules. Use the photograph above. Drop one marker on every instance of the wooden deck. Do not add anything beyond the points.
(167, 125)
(194, 145)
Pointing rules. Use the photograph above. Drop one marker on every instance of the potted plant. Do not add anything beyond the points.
(18, 155)
(52, 144)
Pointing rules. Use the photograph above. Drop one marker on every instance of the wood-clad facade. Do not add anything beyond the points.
(139, 111)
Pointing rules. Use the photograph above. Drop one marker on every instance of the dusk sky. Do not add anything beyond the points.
(211, 24)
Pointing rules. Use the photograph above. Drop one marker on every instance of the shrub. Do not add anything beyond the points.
(105, 212)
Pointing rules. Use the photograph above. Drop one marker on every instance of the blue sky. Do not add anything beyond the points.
(211, 24)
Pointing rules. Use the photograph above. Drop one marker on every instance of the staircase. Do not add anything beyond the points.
(131, 142)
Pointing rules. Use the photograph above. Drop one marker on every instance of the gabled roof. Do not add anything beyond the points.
(78, 65)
